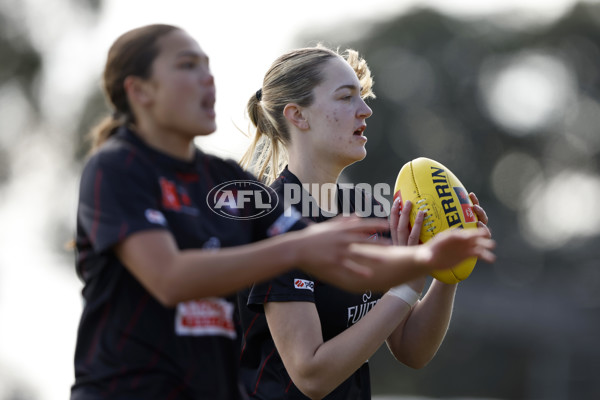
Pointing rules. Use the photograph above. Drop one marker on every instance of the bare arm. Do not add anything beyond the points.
(416, 341)
(172, 275)
(317, 367)
(445, 250)
(418, 338)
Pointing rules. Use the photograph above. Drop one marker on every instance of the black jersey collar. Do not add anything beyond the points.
(130, 136)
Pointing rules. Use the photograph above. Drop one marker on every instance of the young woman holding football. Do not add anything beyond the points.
(315, 342)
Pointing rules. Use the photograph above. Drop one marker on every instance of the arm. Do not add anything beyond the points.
(172, 275)
(115, 194)
(416, 341)
(418, 338)
(317, 367)
(445, 250)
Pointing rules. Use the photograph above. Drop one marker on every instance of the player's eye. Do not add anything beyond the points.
(187, 64)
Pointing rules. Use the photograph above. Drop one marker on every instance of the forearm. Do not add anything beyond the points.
(395, 265)
(318, 373)
(417, 341)
(172, 276)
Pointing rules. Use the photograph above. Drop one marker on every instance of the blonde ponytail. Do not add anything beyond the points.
(266, 155)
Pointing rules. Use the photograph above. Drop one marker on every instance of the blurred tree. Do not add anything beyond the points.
(22, 114)
(22, 63)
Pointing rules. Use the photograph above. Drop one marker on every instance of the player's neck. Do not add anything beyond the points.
(171, 143)
(318, 178)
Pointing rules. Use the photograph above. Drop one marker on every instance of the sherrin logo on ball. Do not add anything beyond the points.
(433, 188)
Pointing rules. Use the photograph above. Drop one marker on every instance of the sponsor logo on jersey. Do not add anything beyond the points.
(207, 317)
(170, 200)
(355, 313)
(304, 284)
(176, 198)
(242, 199)
(155, 217)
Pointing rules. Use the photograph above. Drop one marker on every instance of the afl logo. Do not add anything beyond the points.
(243, 199)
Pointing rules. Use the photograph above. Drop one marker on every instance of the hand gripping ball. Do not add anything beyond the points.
(433, 188)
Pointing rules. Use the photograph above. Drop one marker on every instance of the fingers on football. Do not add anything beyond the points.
(404, 215)
(415, 233)
(479, 211)
(481, 214)
(473, 198)
(396, 210)
(403, 229)
(394, 218)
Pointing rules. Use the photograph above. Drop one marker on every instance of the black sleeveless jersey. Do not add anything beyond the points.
(262, 369)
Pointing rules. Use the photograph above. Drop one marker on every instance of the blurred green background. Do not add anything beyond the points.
(508, 102)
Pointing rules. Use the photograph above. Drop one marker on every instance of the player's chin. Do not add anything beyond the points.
(360, 154)
(352, 160)
(206, 128)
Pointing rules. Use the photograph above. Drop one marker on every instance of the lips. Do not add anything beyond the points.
(208, 101)
(360, 130)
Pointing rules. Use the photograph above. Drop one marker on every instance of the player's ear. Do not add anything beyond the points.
(296, 115)
(138, 91)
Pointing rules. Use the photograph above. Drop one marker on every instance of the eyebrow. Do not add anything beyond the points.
(191, 53)
(351, 87)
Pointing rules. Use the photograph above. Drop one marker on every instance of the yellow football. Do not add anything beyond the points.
(433, 188)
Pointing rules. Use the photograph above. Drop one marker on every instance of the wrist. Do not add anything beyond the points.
(422, 257)
(405, 293)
